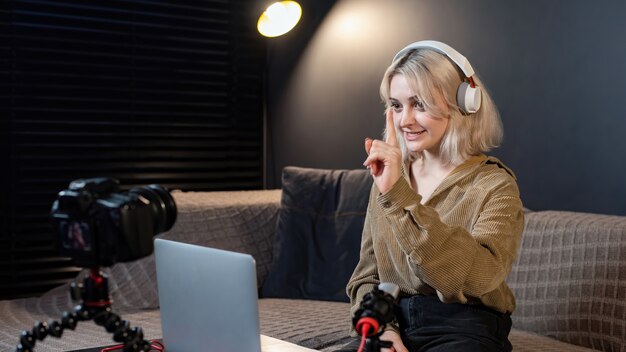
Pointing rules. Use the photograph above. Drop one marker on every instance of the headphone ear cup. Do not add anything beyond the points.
(469, 98)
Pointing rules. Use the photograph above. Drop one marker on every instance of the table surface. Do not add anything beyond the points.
(269, 344)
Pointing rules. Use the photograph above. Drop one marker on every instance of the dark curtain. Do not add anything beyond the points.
(165, 92)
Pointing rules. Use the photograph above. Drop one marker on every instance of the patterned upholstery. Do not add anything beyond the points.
(235, 221)
(570, 278)
(570, 282)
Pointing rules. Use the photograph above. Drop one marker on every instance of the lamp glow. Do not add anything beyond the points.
(279, 18)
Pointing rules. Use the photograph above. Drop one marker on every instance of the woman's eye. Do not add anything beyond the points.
(418, 104)
(395, 106)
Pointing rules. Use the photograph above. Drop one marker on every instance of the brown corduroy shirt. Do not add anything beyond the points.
(459, 245)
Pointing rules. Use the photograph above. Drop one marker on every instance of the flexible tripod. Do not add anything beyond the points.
(375, 311)
(94, 303)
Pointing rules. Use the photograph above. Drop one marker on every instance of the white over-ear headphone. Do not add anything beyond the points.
(468, 95)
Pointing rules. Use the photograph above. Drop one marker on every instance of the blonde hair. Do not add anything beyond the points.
(433, 76)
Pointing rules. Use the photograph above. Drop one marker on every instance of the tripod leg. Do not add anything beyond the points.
(95, 305)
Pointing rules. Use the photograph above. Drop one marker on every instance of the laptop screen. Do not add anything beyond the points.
(208, 298)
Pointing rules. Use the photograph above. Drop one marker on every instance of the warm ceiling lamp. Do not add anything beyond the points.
(279, 18)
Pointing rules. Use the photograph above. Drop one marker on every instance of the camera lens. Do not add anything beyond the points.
(163, 206)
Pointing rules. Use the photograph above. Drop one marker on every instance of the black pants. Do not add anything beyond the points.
(427, 324)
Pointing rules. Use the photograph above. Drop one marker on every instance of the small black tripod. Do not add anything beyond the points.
(375, 311)
(94, 303)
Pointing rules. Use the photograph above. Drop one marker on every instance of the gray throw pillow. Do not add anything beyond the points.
(318, 233)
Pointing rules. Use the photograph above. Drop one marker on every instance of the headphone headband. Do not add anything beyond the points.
(442, 48)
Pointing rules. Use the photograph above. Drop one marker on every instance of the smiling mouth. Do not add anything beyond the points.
(414, 134)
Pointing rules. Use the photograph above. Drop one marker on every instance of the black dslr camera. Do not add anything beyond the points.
(97, 225)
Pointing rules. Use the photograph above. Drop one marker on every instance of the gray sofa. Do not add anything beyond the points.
(569, 280)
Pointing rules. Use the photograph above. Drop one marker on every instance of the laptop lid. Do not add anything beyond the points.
(208, 298)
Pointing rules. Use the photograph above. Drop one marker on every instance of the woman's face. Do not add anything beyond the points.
(421, 131)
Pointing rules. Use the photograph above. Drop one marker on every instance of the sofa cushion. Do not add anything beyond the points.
(318, 234)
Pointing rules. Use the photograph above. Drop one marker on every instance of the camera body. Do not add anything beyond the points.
(97, 225)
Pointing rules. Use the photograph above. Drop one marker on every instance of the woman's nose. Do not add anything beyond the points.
(406, 117)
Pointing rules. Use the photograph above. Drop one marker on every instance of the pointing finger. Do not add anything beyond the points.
(368, 145)
(391, 130)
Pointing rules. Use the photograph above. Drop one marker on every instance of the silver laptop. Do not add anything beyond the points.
(208, 298)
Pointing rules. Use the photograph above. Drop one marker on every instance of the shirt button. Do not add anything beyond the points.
(387, 204)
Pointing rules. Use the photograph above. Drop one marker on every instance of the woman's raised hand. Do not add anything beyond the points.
(384, 157)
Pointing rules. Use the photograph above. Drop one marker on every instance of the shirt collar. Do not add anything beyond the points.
(466, 168)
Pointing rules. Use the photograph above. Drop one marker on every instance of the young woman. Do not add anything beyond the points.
(444, 221)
